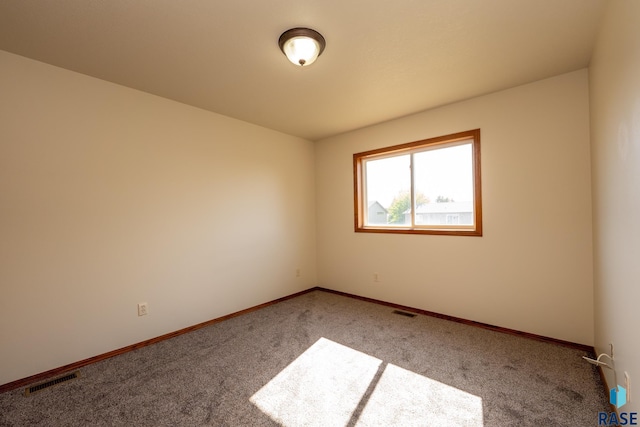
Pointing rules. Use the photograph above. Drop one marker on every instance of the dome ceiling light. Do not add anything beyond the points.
(301, 45)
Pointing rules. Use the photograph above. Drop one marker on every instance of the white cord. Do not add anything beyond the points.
(598, 362)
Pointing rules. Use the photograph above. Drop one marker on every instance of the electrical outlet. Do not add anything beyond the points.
(376, 277)
(143, 309)
(298, 272)
(611, 345)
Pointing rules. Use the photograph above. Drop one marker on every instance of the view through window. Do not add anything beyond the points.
(424, 187)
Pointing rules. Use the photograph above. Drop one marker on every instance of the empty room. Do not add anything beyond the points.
(306, 213)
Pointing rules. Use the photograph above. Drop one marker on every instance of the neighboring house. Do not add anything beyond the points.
(447, 213)
(377, 214)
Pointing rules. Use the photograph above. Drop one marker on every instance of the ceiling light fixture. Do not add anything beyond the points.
(301, 45)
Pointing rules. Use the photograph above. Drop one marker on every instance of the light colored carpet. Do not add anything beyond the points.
(326, 360)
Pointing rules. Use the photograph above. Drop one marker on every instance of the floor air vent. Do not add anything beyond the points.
(403, 313)
(36, 388)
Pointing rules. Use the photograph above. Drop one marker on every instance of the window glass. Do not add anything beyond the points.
(423, 187)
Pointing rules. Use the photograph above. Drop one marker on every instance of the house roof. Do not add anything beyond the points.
(375, 202)
(446, 207)
(383, 59)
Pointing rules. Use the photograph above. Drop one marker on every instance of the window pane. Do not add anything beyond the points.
(441, 175)
(387, 191)
(444, 185)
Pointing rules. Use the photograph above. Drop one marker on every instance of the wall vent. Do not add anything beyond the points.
(404, 313)
(36, 388)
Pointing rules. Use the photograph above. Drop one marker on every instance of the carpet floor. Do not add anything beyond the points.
(322, 359)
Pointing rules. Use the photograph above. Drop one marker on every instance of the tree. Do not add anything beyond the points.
(442, 199)
(402, 203)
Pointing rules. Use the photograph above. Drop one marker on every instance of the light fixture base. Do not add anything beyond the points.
(302, 46)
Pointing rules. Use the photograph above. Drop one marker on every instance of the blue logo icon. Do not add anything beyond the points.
(618, 396)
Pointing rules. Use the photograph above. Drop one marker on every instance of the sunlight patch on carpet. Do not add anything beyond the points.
(327, 386)
(404, 398)
(321, 387)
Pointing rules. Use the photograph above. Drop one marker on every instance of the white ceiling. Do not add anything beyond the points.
(384, 59)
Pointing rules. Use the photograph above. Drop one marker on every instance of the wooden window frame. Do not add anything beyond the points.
(407, 148)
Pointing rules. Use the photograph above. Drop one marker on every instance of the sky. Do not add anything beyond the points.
(442, 171)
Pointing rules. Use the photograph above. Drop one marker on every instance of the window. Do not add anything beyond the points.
(423, 187)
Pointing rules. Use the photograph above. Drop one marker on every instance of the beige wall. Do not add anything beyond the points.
(532, 269)
(615, 130)
(110, 197)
